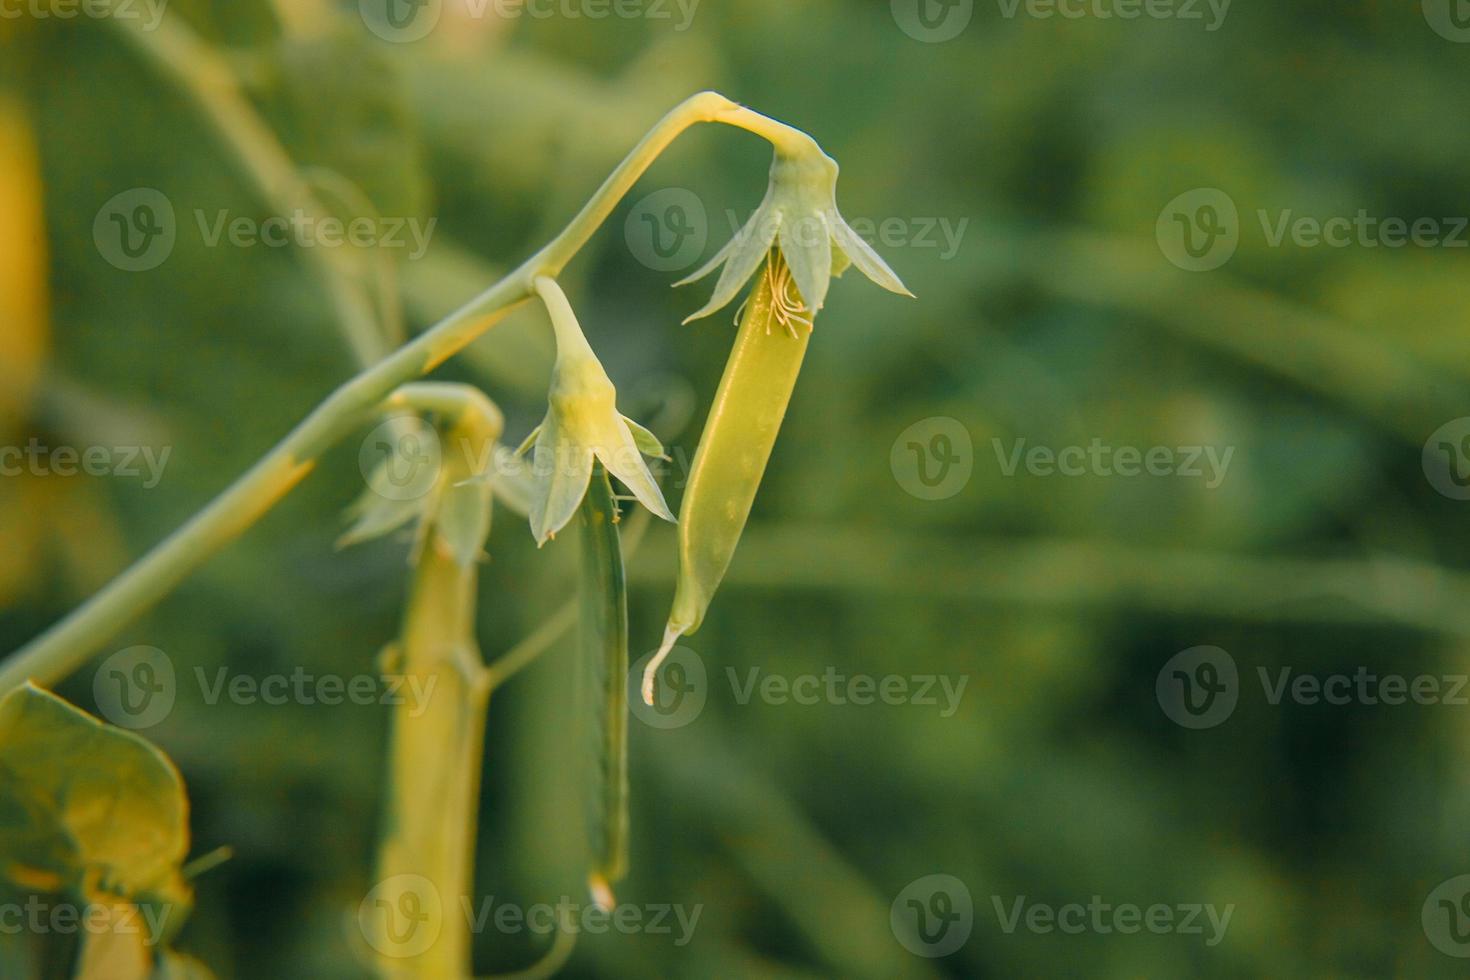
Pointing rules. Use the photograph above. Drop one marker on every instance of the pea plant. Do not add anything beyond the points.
(94, 817)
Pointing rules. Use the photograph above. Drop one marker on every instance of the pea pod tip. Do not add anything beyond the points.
(671, 636)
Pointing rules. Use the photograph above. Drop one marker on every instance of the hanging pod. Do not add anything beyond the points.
(735, 446)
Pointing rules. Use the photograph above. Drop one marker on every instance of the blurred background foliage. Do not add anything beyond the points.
(1057, 321)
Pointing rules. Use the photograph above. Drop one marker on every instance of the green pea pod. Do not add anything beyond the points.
(735, 447)
(604, 643)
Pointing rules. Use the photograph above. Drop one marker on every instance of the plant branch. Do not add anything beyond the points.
(67, 645)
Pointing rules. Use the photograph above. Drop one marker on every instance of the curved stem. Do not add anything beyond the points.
(702, 108)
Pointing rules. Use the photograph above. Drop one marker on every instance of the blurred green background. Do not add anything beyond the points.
(1050, 147)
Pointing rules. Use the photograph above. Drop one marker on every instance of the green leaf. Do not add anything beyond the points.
(100, 801)
(604, 653)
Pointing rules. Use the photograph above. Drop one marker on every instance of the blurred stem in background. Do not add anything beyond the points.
(436, 745)
(207, 79)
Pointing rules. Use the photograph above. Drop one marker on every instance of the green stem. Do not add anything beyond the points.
(435, 758)
(67, 645)
(702, 108)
